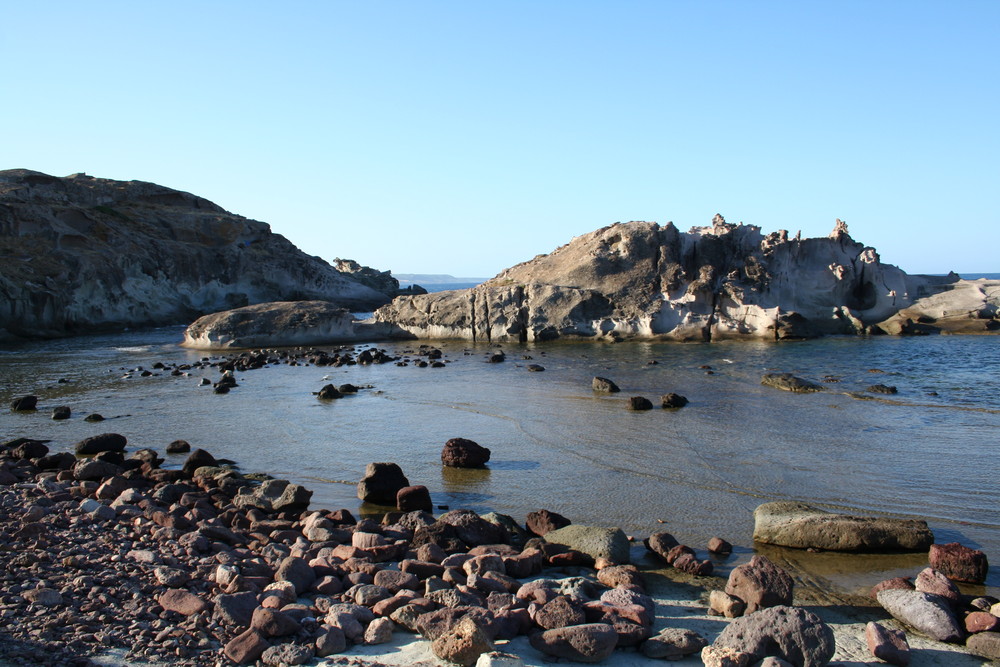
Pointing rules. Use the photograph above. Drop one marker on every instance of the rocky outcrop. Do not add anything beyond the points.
(967, 306)
(83, 253)
(792, 524)
(273, 324)
(644, 280)
(380, 281)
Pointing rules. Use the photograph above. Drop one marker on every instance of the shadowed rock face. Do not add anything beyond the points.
(82, 253)
(644, 280)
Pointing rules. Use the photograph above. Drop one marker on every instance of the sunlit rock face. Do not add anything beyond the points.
(651, 281)
(82, 254)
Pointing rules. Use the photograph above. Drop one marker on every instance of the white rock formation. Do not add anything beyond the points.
(644, 280)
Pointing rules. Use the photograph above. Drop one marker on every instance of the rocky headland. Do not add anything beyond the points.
(82, 254)
(642, 280)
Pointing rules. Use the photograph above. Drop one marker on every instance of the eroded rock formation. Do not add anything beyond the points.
(645, 280)
(83, 253)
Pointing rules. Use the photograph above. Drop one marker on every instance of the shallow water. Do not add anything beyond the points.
(926, 452)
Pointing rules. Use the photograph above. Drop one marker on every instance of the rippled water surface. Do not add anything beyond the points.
(927, 452)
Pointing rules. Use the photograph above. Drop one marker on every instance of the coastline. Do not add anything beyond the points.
(60, 533)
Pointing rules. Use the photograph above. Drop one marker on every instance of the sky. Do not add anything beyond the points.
(465, 137)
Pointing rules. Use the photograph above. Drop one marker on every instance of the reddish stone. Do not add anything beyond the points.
(678, 551)
(559, 613)
(621, 575)
(660, 544)
(959, 563)
(719, 546)
(414, 498)
(543, 521)
(528, 563)
(463, 453)
(887, 645)
(760, 583)
(570, 557)
(182, 602)
(270, 623)
(901, 583)
(981, 621)
(246, 648)
(931, 581)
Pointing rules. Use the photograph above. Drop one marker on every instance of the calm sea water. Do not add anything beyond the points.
(927, 452)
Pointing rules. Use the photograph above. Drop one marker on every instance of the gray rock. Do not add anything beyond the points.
(789, 382)
(790, 633)
(298, 572)
(604, 385)
(236, 609)
(591, 642)
(928, 614)
(794, 524)
(596, 542)
(985, 644)
(287, 654)
(331, 640)
(673, 644)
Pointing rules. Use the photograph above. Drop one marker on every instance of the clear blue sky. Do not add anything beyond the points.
(463, 137)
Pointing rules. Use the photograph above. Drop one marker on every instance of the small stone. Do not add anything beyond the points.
(673, 401)
(182, 602)
(379, 631)
(985, 645)
(287, 654)
(639, 403)
(887, 645)
(246, 648)
(673, 644)
(604, 385)
(331, 640)
(721, 603)
(462, 644)
(45, 597)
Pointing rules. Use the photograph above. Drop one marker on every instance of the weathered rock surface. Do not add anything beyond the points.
(644, 280)
(789, 382)
(790, 633)
(271, 324)
(887, 645)
(959, 562)
(596, 542)
(464, 453)
(928, 614)
(760, 583)
(84, 253)
(591, 642)
(793, 524)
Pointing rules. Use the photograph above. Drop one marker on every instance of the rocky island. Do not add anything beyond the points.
(642, 280)
(82, 254)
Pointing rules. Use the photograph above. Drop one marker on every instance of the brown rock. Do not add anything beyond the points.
(899, 583)
(621, 575)
(559, 613)
(760, 583)
(721, 603)
(719, 546)
(272, 623)
(542, 521)
(639, 403)
(414, 498)
(931, 581)
(981, 621)
(463, 644)
(660, 544)
(591, 642)
(182, 602)
(463, 453)
(887, 645)
(959, 563)
(246, 648)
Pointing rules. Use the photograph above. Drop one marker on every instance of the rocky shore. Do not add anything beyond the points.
(106, 550)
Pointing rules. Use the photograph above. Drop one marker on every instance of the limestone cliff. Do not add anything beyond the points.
(644, 280)
(81, 253)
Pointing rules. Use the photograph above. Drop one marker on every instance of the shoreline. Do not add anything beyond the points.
(128, 534)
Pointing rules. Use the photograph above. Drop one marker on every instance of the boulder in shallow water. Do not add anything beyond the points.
(24, 403)
(105, 442)
(793, 524)
(673, 401)
(604, 385)
(959, 562)
(464, 453)
(381, 483)
(789, 382)
(280, 323)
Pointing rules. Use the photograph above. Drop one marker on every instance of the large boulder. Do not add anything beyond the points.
(381, 483)
(105, 442)
(789, 633)
(760, 583)
(794, 524)
(596, 542)
(590, 642)
(959, 562)
(463, 453)
(928, 614)
(271, 324)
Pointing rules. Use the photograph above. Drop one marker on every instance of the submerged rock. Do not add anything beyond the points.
(793, 524)
(789, 382)
(271, 324)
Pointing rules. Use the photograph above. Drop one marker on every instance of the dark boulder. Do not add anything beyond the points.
(881, 389)
(329, 392)
(639, 403)
(105, 442)
(543, 521)
(29, 449)
(959, 562)
(61, 412)
(604, 385)
(381, 483)
(789, 382)
(178, 447)
(24, 403)
(197, 459)
(414, 498)
(463, 453)
(673, 401)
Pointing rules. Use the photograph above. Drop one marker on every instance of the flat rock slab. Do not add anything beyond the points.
(793, 524)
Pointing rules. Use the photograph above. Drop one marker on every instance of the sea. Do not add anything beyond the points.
(928, 451)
